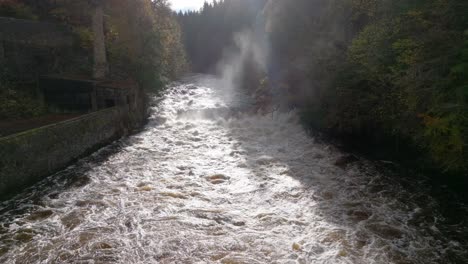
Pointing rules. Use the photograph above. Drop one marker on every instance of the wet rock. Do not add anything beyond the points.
(217, 181)
(142, 184)
(65, 257)
(40, 215)
(217, 178)
(84, 203)
(103, 245)
(81, 181)
(243, 165)
(195, 139)
(173, 195)
(239, 223)
(230, 260)
(145, 188)
(219, 256)
(217, 216)
(24, 236)
(296, 247)
(264, 215)
(343, 161)
(164, 255)
(85, 237)
(342, 253)
(265, 160)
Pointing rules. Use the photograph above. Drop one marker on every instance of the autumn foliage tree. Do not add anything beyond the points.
(142, 37)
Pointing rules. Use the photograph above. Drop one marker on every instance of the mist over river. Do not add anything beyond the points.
(207, 181)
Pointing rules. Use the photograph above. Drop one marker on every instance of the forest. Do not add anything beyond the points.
(142, 40)
(390, 75)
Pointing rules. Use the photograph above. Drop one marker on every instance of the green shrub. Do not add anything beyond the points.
(16, 105)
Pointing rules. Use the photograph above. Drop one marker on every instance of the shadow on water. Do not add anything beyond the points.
(369, 207)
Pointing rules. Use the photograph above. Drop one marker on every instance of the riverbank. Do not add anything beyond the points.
(398, 155)
(29, 156)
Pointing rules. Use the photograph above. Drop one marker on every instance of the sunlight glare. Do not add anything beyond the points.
(185, 5)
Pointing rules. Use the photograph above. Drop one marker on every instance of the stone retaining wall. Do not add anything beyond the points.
(28, 157)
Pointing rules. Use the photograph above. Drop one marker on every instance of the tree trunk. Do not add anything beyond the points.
(100, 60)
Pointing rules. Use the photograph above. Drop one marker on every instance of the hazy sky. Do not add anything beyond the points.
(187, 4)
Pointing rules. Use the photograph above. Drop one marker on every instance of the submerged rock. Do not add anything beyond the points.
(24, 235)
(296, 247)
(385, 231)
(72, 219)
(40, 215)
(239, 223)
(217, 178)
(173, 195)
(145, 188)
(345, 160)
(358, 215)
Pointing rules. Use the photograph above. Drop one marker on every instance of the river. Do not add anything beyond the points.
(207, 181)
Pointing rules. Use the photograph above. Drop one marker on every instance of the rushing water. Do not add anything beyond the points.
(207, 182)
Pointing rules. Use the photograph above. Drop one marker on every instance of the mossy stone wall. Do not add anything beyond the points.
(28, 157)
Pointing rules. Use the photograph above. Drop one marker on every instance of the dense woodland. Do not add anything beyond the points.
(390, 74)
(142, 40)
(210, 31)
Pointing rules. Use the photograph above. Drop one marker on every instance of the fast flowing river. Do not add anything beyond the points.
(207, 182)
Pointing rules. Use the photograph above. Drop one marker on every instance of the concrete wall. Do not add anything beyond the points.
(28, 157)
